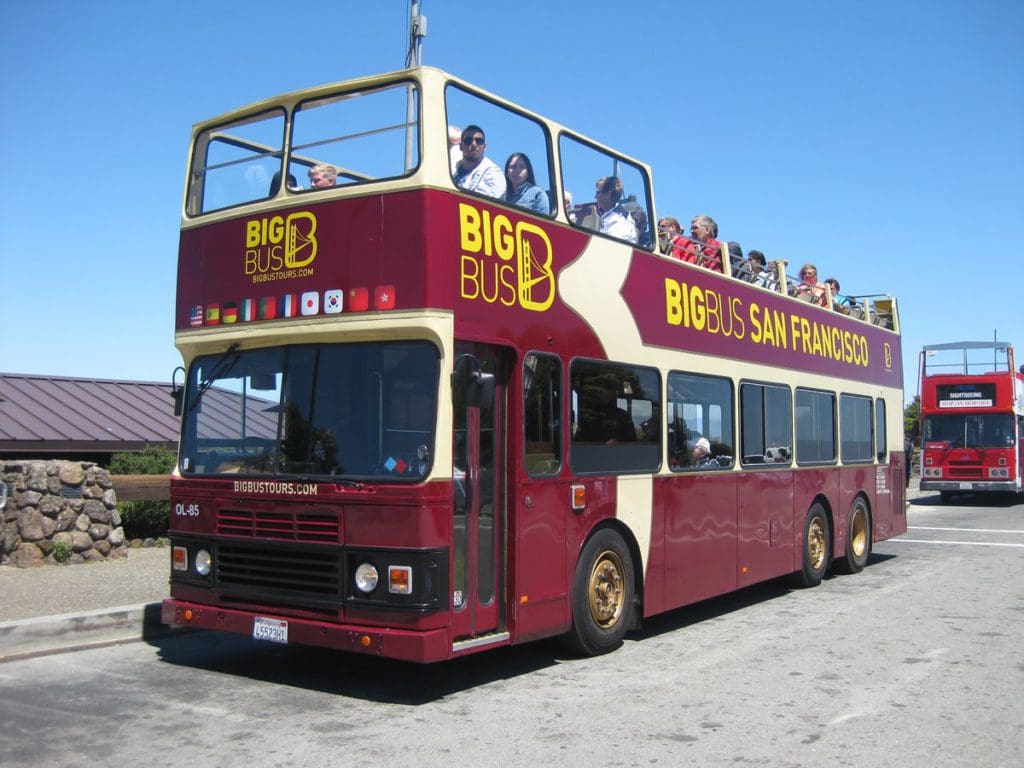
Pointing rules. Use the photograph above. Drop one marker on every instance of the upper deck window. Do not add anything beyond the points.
(355, 137)
(236, 162)
(506, 158)
(605, 193)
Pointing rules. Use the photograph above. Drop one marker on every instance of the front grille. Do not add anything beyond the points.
(302, 576)
(966, 473)
(292, 526)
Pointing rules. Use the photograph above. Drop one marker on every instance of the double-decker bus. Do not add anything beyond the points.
(419, 421)
(972, 409)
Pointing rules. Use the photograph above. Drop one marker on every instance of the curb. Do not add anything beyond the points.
(74, 631)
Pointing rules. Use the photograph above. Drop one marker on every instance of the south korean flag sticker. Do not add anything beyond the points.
(333, 301)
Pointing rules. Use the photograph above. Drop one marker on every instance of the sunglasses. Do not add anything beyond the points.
(470, 142)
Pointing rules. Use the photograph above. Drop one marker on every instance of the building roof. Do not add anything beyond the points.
(65, 415)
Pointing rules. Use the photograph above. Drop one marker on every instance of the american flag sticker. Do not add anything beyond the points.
(310, 303)
(195, 317)
(333, 301)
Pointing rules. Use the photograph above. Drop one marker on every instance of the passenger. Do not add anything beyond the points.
(839, 304)
(454, 152)
(475, 172)
(700, 456)
(701, 247)
(275, 184)
(809, 287)
(737, 264)
(570, 211)
(757, 273)
(615, 220)
(669, 231)
(522, 189)
(322, 175)
(602, 421)
(643, 237)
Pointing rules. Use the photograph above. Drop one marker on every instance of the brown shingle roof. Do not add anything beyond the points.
(60, 414)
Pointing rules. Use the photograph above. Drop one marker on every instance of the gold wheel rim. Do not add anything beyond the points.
(816, 543)
(859, 532)
(607, 589)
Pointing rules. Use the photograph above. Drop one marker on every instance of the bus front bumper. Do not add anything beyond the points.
(425, 646)
(969, 486)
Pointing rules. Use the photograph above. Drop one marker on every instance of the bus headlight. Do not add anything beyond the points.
(366, 577)
(998, 472)
(202, 562)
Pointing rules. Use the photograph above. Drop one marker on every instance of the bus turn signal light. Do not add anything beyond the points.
(179, 559)
(400, 579)
(579, 497)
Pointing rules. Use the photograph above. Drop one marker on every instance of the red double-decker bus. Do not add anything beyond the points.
(422, 417)
(972, 408)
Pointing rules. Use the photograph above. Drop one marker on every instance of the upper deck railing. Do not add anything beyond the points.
(967, 358)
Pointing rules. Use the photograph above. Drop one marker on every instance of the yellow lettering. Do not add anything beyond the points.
(698, 309)
(252, 234)
(673, 302)
(755, 322)
(469, 226)
(504, 243)
(470, 282)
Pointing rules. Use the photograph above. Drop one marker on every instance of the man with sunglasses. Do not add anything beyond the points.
(475, 172)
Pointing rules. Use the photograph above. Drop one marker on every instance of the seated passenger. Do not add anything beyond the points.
(809, 287)
(669, 234)
(521, 188)
(701, 248)
(275, 184)
(615, 220)
(322, 175)
(570, 210)
(700, 456)
(737, 264)
(643, 233)
(601, 419)
(475, 172)
(839, 303)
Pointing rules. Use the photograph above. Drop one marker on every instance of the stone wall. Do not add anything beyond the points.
(58, 510)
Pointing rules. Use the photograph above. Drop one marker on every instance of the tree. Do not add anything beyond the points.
(912, 420)
(144, 519)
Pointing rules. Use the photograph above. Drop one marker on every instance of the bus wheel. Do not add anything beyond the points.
(858, 539)
(602, 595)
(815, 549)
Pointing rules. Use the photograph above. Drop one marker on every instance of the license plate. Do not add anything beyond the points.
(965, 486)
(270, 629)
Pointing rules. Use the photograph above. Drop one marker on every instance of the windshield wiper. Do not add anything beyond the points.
(222, 367)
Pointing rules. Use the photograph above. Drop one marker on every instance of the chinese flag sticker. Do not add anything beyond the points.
(384, 297)
(358, 299)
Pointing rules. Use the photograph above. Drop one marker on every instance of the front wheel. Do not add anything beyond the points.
(602, 595)
(858, 539)
(816, 548)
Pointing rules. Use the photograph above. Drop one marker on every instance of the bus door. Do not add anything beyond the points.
(479, 491)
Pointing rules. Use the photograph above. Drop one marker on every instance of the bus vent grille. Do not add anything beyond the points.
(292, 526)
(966, 473)
(304, 576)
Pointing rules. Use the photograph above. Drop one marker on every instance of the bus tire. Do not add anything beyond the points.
(858, 539)
(602, 595)
(816, 546)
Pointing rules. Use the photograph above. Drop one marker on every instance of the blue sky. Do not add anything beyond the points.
(882, 140)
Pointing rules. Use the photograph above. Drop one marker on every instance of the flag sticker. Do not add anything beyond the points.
(310, 303)
(333, 301)
(268, 308)
(358, 299)
(195, 317)
(384, 297)
(247, 311)
(213, 314)
(289, 305)
(229, 313)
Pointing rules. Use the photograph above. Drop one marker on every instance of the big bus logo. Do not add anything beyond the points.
(503, 262)
(277, 244)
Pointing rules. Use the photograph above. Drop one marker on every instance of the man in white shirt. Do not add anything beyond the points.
(475, 172)
(615, 220)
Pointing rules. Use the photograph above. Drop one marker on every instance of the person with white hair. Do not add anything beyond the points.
(701, 454)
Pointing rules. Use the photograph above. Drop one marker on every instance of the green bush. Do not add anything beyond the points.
(144, 519)
(62, 552)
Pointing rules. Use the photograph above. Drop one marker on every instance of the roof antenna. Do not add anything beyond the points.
(417, 31)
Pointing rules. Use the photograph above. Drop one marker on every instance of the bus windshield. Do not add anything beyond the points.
(346, 411)
(970, 430)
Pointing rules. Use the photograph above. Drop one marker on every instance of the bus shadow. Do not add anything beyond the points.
(997, 499)
(370, 678)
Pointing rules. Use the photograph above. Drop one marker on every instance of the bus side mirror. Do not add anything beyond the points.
(177, 391)
(480, 390)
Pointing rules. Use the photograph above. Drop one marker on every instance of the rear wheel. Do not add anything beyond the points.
(817, 544)
(602, 595)
(858, 539)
